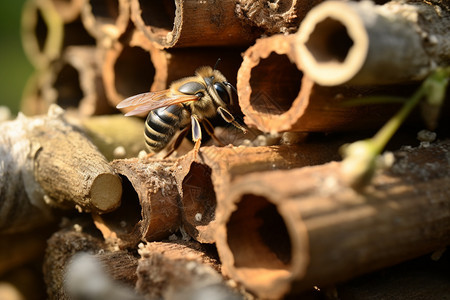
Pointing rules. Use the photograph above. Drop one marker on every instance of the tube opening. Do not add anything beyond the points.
(134, 71)
(329, 41)
(275, 83)
(199, 197)
(257, 236)
(106, 11)
(41, 31)
(160, 15)
(126, 217)
(75, 34)
(68, 88)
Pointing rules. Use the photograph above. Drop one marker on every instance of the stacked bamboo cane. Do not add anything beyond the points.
(240, 221)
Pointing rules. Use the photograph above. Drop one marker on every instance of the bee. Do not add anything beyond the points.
(187, 103)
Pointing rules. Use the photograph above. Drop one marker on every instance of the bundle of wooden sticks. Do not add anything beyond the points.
(265, 217)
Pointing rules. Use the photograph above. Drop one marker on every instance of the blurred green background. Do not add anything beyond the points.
(14, 66)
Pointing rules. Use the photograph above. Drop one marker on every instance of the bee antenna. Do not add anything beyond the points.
(217, 62)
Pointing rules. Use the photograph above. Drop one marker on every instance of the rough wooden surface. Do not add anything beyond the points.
(149, 209)
(180, 270)
(204, 183)
(51, 163)
(172, 24)
(305, 227)
(82, 238)
(350, 42)
(274, 17)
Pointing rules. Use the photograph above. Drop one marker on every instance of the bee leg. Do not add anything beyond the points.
(196, 134)
(210, 130)
(228, 117)
(178, 141)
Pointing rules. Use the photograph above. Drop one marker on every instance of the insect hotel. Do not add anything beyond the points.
(277, 150)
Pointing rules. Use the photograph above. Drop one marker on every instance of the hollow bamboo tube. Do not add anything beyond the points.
(305, 227)
(362, 43)
(42, 32)
(46, 33)
(189, 23)
(69, 10)
(76, 82)
(204, 183)
(276, 96)
(106, 20)
(149, 209)
(136, 66)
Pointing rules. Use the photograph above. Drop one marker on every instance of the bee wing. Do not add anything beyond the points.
(152, 100)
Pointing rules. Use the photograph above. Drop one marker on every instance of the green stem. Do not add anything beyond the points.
(383, 136)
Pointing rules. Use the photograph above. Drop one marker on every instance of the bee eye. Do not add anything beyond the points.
(191, 88)
(222, 92)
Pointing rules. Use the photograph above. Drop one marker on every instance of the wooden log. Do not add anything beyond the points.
(135, 66)
(47, 161)
(188, 23)
(305, 227)
(204, 183)
(149, 209)
(81, 237)
(276, 96)
(348, 42)
(106, 20)
(180, 270)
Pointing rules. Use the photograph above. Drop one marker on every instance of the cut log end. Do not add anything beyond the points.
(106, 192)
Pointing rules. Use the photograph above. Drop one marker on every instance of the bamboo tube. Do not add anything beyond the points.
(42, 32)
(76, 82)
(276, 96)
(149, 209)
(34, 101)
(305, 227)
(69, 10)
(180, 270)
(362, 43)
(189, 23)
(106, 20)
(204, 183)
(136, 66)
(46, 33)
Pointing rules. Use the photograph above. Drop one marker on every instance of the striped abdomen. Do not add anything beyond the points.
(161, 125)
